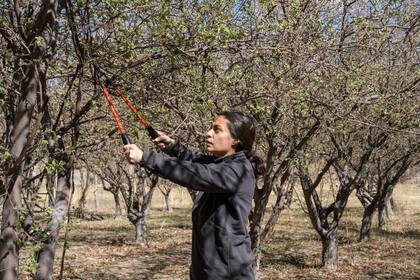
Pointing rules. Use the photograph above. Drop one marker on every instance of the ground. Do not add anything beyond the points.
(106, 249)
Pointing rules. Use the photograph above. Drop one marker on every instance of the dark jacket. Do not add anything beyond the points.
(221, 246)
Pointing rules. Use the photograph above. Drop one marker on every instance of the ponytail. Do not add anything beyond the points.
(256, 162)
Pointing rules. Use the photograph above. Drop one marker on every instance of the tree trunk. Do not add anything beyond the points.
(50, 185)
(168, 203)
(46, 261)
(85, 188)
(96, 198)
(117, 205)
(61, 206)
(381, 217)
(256, 220)
(193, 194)
(365, 229)
(390, 208)
(141, 232)
(330, 250)
(284, 199)
(9, 249)
(257, 256)
(28, 66)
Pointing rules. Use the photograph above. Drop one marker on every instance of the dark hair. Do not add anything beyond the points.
(242, 128)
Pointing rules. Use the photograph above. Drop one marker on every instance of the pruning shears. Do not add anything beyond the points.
(117, 92)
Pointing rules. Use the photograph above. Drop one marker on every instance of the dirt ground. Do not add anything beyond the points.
(106, 249)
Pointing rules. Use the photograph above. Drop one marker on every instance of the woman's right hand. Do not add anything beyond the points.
(163, 141)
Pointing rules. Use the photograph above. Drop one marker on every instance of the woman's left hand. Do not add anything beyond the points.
(133, 153)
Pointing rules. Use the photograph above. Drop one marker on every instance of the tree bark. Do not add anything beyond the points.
(365, 229)
(168, 203)
(85, 188)
(390, 208)
(330, 250)
(117, 204)
(61, 206)
(29, 66)
(9, 249)
(50, 185)
(141, 232)
(256, 249)
(255, 230)
(381, 217)
(96, 198)
(284, 195)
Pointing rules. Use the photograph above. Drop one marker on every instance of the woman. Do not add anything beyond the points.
(221, 246)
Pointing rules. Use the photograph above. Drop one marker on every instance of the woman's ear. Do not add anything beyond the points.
(235, 143)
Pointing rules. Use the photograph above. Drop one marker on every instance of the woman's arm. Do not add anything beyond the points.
(212, 178)
(181, 152)
(174, 148)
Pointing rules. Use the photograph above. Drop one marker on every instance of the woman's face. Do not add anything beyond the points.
(219, 142)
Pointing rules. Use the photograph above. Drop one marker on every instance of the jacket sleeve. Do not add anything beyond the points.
(181, 152)
(211, 178)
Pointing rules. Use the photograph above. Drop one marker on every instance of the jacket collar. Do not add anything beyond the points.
(237, 155)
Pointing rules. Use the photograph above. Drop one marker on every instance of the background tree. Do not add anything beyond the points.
(385, 169)
(137, 188)
(165, 188)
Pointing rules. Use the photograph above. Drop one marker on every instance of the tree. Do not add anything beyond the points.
(137, 188)
(349, 163)
(29, 31)
(165, 189)
(385, 170)
(115, 190)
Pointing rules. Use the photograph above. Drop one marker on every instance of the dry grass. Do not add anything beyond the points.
(106, 250)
